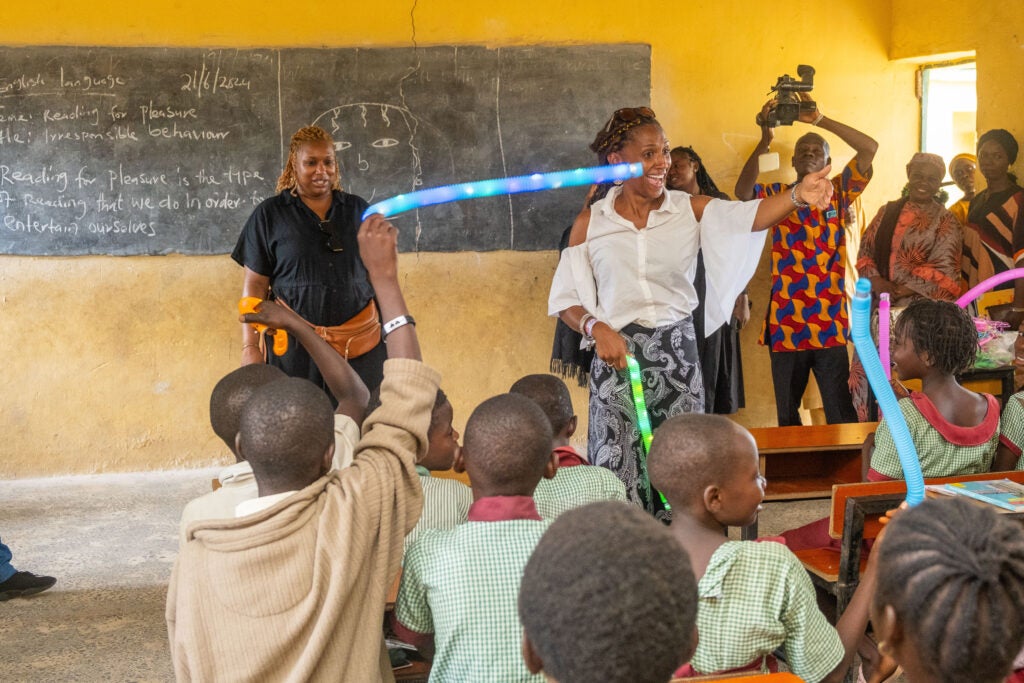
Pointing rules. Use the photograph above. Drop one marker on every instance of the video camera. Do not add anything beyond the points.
(789, 104)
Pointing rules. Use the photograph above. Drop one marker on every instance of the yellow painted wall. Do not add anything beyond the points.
(994, 31)
(110, 360)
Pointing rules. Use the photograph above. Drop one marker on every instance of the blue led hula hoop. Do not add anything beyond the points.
(887, 403)
(535, 182)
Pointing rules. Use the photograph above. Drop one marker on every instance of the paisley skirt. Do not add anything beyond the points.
(672, 382)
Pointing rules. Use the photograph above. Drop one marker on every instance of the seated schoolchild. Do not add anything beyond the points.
(445, 501)
(581, 626)
(286, 590)
(954, 429)
(237, 482)
(753, 597)
(230, 394)
(951, 593)
(1010, 454)
(576, 482)
(457, 599)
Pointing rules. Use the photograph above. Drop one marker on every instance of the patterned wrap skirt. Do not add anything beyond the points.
(670, 371)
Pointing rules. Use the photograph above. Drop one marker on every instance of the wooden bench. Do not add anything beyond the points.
(806, 461)
(853, 517)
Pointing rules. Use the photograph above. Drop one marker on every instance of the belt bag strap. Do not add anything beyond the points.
(356, 336)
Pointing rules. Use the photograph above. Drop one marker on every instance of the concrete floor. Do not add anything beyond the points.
(111, 541)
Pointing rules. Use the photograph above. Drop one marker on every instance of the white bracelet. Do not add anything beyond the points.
(583, 323)
(816, 121)
(393, 324)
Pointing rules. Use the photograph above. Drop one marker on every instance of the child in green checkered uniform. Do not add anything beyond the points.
(955, 430)
(457, 599)
(1009, 455)
(576, 482)
(753, 597)
(445, 501)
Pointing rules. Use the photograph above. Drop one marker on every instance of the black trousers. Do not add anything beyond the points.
(790, 373)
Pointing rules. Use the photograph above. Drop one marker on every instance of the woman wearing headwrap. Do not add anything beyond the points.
(911, 250)
(994, 234)
(625, 282)
(961, 169)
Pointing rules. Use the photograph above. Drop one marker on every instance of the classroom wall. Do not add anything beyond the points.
(994, 31)
(111, 360)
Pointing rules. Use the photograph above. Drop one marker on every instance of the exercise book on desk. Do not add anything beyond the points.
(1003, 493)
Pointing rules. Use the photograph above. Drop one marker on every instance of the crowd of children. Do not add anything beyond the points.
(540, 570)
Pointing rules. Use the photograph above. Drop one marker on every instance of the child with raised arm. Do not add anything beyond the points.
(289, 589)
(576, 482)
(753, 597)
(457, 599)
(231, 393)
(951, 593)
(581, 627)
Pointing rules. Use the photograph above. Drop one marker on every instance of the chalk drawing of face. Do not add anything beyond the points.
(376, 147)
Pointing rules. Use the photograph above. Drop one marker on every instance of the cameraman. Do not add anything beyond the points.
(806, 325)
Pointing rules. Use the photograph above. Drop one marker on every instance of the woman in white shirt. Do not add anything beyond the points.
(626, 283)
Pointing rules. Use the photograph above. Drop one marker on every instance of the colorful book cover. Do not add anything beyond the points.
(1002, 493)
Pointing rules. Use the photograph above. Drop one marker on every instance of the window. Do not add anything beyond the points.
(949, 106)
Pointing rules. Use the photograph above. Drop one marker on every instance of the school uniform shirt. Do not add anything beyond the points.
(944, 449)
(1011, 430)
(445, 504)
(462, 586)
(574, 486)
(238, 484)
(754, 598)
(807, 307)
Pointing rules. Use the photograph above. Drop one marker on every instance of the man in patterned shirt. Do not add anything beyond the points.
(457, 599)
(806, 324)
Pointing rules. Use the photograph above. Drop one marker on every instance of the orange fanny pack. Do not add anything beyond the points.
(354, 337)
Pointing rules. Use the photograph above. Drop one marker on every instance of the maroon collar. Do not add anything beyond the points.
(959, 436)
(568, 457)
(503, 509)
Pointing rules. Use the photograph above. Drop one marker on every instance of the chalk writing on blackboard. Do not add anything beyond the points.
(128, 151)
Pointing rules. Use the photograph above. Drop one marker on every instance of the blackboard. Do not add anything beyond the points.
(128, 151)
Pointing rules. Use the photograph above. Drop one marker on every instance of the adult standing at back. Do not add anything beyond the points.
(806, 326)
(299, 248)
(625, 282)
(994, 233)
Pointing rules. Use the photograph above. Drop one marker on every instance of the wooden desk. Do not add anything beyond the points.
(806, 461)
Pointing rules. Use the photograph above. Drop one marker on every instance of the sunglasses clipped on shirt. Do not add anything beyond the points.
(333, 238)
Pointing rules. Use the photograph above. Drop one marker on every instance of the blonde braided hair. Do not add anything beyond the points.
(286, 181)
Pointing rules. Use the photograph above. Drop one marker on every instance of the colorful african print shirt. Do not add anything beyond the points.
(944, 449)
(1011, 430)
(754, 598)
(925, 251)
(994, 235)
(807, 309)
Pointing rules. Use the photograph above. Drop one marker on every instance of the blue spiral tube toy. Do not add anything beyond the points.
(535, 182)
(887, 403)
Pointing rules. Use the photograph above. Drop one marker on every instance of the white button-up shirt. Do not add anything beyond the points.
(622, 275)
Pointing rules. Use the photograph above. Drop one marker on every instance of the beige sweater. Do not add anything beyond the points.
(296, 592)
